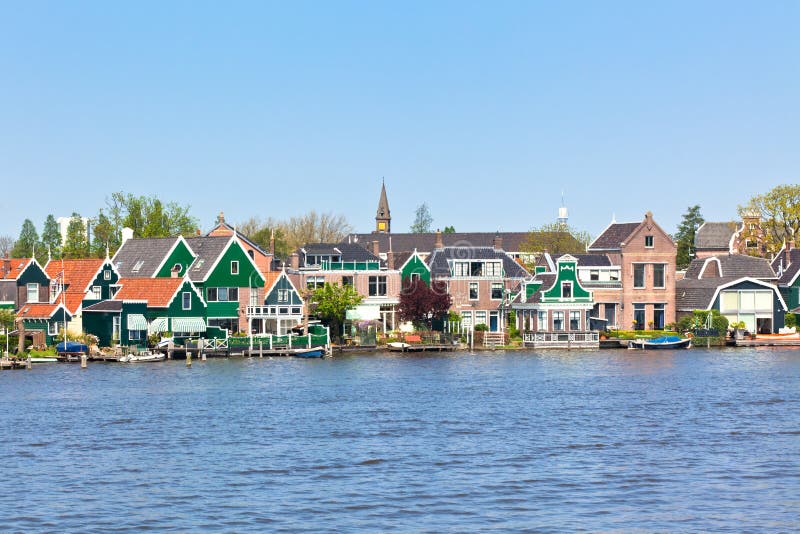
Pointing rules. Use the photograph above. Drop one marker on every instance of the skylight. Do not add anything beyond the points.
(137, 266)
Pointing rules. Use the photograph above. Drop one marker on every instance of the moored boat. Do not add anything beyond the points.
(43, 359)
(313, 352)
(661, 343)
(144, 356)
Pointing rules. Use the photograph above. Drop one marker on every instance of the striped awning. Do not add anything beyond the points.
(137, 322)
(158, 325)
(188, 324)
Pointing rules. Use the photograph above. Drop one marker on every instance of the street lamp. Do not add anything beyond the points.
(250, 305)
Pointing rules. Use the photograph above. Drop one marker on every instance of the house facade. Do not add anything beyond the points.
(282, 308)
(554, 309)
(23, 281)
(480, 281)
(645, 255)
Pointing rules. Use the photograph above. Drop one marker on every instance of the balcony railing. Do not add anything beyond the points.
(564, 338)
(273, 311)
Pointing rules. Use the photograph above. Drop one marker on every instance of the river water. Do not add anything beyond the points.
(698, 440)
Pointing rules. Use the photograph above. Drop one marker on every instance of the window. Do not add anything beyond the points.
(33, 293)
(638, 316)
(476, 269)
(254, 296)
(96, 293)
(497, 290)
(658, 275)
(575, 320)
(107, 274)
(186, 300)
(377, 286)
(658, 317)
(177, 268)
(116, 321)
(222, 294)
(473, 291)
(313, 282)
(461, 268)
(52, 328)
(750, 244)
(558, 320)
(541, 323)
(466, 319)
(480, 317)
(638, 275)
(414, 277)
(594, 274)
(199, 264)
(648, 241)
(134, 335)
(494, 268)
(234, 267)
(112, 290)
(614, 275)
(137, 266)
(566, 290)
(347, 281)
(283, 295)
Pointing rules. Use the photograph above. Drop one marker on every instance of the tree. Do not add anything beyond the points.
(149, 216)
(556, 238)
(6, 319)
(421, 304)
(684, 238)
(315, 227)
(27, 241)
(449, 230)
(104, 235)
(260, 232)
(331, 303)
(422, 220)
(779, 209)
(6, 245)
(51, 236)
(77, 243)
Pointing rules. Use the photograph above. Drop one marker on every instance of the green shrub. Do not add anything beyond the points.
(790, 320)
(482, 327)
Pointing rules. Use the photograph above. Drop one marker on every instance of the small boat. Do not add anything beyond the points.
(43, 359)
(71, 348)
(660, 343)
(397, 346)
(314, 352)
(144, 356)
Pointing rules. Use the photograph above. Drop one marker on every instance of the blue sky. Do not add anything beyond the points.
(484, 110)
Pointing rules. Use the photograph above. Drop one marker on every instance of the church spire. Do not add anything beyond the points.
(383, 217)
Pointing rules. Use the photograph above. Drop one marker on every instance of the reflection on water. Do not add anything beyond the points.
(609, 440)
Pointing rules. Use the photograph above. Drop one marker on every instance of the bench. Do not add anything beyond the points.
(413, 338)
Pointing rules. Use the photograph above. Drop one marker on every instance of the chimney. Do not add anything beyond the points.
(439, 242)
(376, 247)
(6, 268)
(127, 233)
(294, 260)
(390, 260)
(787, 258)
(174, 272)
(498, 242)
(220, 217)
(197, 232)
(272, 242)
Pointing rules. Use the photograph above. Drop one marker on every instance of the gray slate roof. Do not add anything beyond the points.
(589, 260)
(207, 249)
(734, 266)
(105, 306)
(437, 261)
(349, 252)
(692, 294)
(547, 280)
(714, 235)
(151, 251)
(512, 241)
(613, 236)
(789, 271)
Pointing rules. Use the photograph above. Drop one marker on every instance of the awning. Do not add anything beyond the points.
(364, 313)
(158, 325)
(188, 324)
(137, 322)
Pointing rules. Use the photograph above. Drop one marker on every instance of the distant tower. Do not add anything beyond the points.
(562, 213)
(383, 218)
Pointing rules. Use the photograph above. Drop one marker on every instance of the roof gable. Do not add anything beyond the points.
(613, 236)
(142, 257)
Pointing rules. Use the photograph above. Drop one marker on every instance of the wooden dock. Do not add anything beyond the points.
(766, 342)
(8, 364)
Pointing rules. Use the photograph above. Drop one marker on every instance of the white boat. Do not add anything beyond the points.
(144, 356)
(43, 359)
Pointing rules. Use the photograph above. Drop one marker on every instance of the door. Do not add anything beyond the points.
(493, 322)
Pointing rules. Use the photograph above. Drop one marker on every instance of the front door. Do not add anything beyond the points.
(493, 322)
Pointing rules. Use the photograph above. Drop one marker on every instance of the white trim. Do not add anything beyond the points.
(169, 253)
(413, 254)
(705, 264)
(773, 287)
(224, 251)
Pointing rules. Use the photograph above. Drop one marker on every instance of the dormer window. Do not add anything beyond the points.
(32, 293)
(177, 268)
(234, 267)
(138, 266)
(648, 241)
(199, 264)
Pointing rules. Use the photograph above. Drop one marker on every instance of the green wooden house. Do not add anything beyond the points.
(415, 268)
(282, 308)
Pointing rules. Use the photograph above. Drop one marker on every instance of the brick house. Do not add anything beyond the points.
(645, 254)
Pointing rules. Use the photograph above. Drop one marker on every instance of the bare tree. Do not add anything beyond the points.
(6, 244)
(316, 227)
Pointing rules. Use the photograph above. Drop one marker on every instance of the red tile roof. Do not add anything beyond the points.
(270, 278)
(78, 274)
(38, 311)
(10, 269)
(157, 292)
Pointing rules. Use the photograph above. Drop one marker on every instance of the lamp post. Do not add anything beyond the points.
(247, 308)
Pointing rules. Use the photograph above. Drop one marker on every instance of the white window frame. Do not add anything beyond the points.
(107, 274)
(644, 275)
(234, 267)
(541, 320)
(32, 288)
(97, 293)
(283, 295)
(134, 335)
(137, 266)
(650, 239)
(184, 296)
(52, 328)
(477, 291)
(663, 276)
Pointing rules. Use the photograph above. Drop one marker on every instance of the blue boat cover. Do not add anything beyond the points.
(71, 346)
(665, 339)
